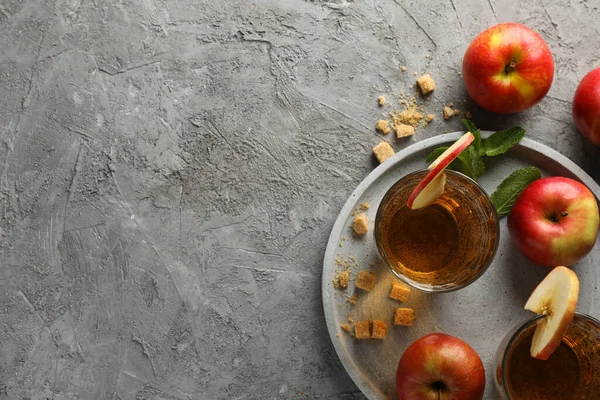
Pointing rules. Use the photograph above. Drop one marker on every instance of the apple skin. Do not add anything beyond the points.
(586, 106)
(439, 366)
(554, 221)
(496, 84)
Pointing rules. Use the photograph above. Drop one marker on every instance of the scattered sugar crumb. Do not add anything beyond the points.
(353, 299)
(341, 280)
(403, 68)
(468, 115)
(381, 100)
(410, 116)
(383, 127)
(361, 224)
(448, 113)
(429, 118)
(456, 111)
(365, 206)
(346, 327)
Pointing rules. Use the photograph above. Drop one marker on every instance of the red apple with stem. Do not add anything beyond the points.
(439, 366)
(586, 106)
(554, 221)
(508, 68)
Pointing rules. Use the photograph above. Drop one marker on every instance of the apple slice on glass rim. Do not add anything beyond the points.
(556, 297)
(432, 186)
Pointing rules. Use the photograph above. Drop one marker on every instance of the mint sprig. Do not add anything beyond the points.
(507, 192)
(470, 161)
(476, 133)
(499, 142)
(435, 154)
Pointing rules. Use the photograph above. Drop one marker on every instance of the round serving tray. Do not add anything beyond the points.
(481, 313)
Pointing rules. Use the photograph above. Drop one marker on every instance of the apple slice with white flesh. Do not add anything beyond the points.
(556, 297)
(432, 186)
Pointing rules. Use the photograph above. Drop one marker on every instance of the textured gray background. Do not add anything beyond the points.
(170, 172)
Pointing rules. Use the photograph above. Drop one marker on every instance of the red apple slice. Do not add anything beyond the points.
(432, 186)
(556, 297)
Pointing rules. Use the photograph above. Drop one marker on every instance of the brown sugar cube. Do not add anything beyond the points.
(365, 280)
(362, 330)
(426, 83)
(361, 224)
(381, 100)
(346, 327)
(383, 151)
(404, 316)
(399, 291)
(379, 329)
(448, 112)
(382, 126)
(403, 130)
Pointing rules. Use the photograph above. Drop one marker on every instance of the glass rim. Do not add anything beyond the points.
(521, 328)
(432, 288)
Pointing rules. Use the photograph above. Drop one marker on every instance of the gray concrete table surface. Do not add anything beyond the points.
(171, 171)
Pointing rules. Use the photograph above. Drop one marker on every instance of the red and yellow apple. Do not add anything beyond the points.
(554, 221)
(508, 68)
(586, 106)
(441, 367)
(555, 297)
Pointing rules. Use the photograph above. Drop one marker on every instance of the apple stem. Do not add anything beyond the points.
(510, 67)
(557, 217)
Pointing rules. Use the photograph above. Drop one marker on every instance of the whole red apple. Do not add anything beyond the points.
(586, 106)
(440, 367)
(554, 221)
(508, 68)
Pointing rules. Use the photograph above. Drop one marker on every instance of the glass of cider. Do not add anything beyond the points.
(442, 247)
(572, 372)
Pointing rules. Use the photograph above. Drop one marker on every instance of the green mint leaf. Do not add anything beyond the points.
(476, 133)
(507, 192)
(470, 163)
(435, 154)
(499, 142)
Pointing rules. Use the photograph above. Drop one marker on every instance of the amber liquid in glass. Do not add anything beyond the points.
(447, 241)
(570, 373)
